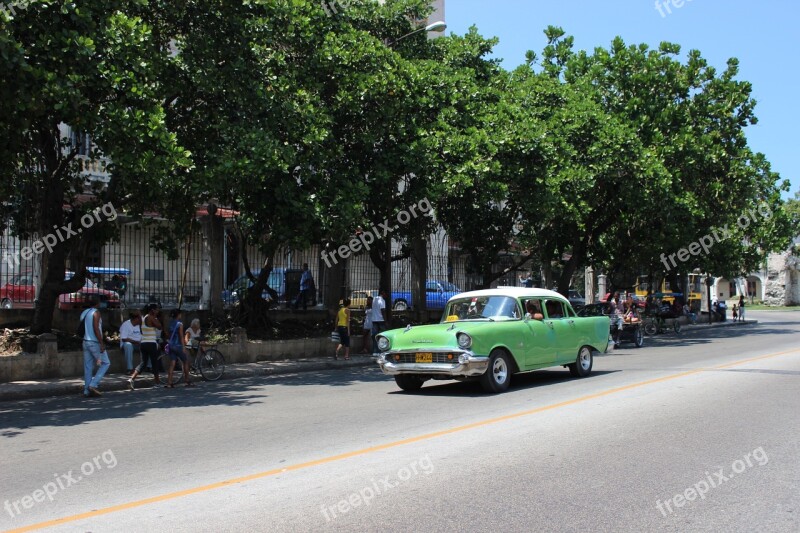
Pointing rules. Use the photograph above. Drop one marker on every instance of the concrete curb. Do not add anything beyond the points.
(26, 390)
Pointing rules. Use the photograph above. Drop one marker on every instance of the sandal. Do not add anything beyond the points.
(169, 386)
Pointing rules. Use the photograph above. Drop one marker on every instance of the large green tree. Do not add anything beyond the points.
(94, 67)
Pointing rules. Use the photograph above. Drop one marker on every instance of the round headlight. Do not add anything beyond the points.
(464, 341)
(384, 344)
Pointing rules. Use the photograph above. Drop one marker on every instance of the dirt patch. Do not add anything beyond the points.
(16, 340)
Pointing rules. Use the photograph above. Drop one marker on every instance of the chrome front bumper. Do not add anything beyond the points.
(467, 365)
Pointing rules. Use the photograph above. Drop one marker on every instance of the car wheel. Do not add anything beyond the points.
(638, 337)
(6, 304)
(498, 376)
(409, 382)
(582, 366)
(401, 305)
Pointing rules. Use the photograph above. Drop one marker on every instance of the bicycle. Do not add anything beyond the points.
(206, 361)
(656, 324)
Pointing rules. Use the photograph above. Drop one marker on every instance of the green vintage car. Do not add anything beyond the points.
(492, 334)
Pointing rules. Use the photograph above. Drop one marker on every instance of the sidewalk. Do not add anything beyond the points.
(25, 390)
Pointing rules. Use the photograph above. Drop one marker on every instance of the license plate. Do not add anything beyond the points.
(425, 357)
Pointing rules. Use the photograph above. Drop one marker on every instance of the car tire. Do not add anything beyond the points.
(582, 366)
(409, 382)
(6, 304)
(497, 377)
(638, 337)
(400, 305)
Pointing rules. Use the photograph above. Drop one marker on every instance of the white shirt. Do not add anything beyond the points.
(378, 303)
(129, 331)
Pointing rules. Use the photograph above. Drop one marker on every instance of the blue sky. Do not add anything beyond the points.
(764, 36)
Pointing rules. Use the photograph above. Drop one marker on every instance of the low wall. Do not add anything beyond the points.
(49, 363)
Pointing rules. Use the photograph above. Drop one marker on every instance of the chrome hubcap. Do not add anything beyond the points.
(586, 359)
(500, 371)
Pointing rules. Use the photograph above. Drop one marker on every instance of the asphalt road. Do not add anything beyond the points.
(687, 434)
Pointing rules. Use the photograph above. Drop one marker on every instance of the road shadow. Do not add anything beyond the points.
(519, 383)
(74, 410)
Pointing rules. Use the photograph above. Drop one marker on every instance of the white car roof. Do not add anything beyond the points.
(514, 292)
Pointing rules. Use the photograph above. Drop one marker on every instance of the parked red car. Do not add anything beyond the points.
(20, 293)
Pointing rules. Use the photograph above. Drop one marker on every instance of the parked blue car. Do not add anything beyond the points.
(437, 293)
(284, 281)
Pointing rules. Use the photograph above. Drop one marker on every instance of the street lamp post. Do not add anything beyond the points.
(436, 26)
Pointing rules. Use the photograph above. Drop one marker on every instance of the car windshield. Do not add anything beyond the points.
(482, 307)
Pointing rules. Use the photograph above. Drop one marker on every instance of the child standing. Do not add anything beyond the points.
(343, 327)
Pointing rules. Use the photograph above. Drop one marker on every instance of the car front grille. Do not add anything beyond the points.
(402, 358)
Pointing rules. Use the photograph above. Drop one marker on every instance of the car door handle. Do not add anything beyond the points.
(571, 322)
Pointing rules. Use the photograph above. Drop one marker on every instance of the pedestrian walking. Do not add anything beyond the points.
(307, 288)
(151, 332)
(741, 307)
(366, 335)
(94, 348)
(343, 327)
(378, 317)
(130, 337)
(735, 312)
(177, 350)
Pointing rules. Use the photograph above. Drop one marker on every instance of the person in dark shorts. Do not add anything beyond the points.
(176, 349)
(343, 327)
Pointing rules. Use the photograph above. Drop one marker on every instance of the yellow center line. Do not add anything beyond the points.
(380, 447)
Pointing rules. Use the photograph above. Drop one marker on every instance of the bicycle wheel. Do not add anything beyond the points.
(676, 325)
(212, 364)
(177, 374)
(650, 328)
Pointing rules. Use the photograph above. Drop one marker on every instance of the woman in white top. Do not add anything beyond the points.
(192, 336)
(151, 332)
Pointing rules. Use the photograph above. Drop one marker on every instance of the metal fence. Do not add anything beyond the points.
(151, 276)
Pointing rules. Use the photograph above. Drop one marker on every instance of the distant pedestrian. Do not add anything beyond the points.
(151, 333)
(615, 315)
(177, 350)
(735, 312)
(687, 310)
(378, 317)
(526, 281)
(741, 307)
(343, 327)
(366, 335)
(307, 288)
(94, 348)
(130, 337)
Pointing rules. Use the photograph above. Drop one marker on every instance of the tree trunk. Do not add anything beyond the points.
(419, 276)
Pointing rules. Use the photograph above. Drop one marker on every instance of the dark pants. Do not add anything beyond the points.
(149, 355)
(302, 296)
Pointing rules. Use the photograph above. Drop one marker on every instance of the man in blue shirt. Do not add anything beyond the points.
(306, 288)
(94, 348)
